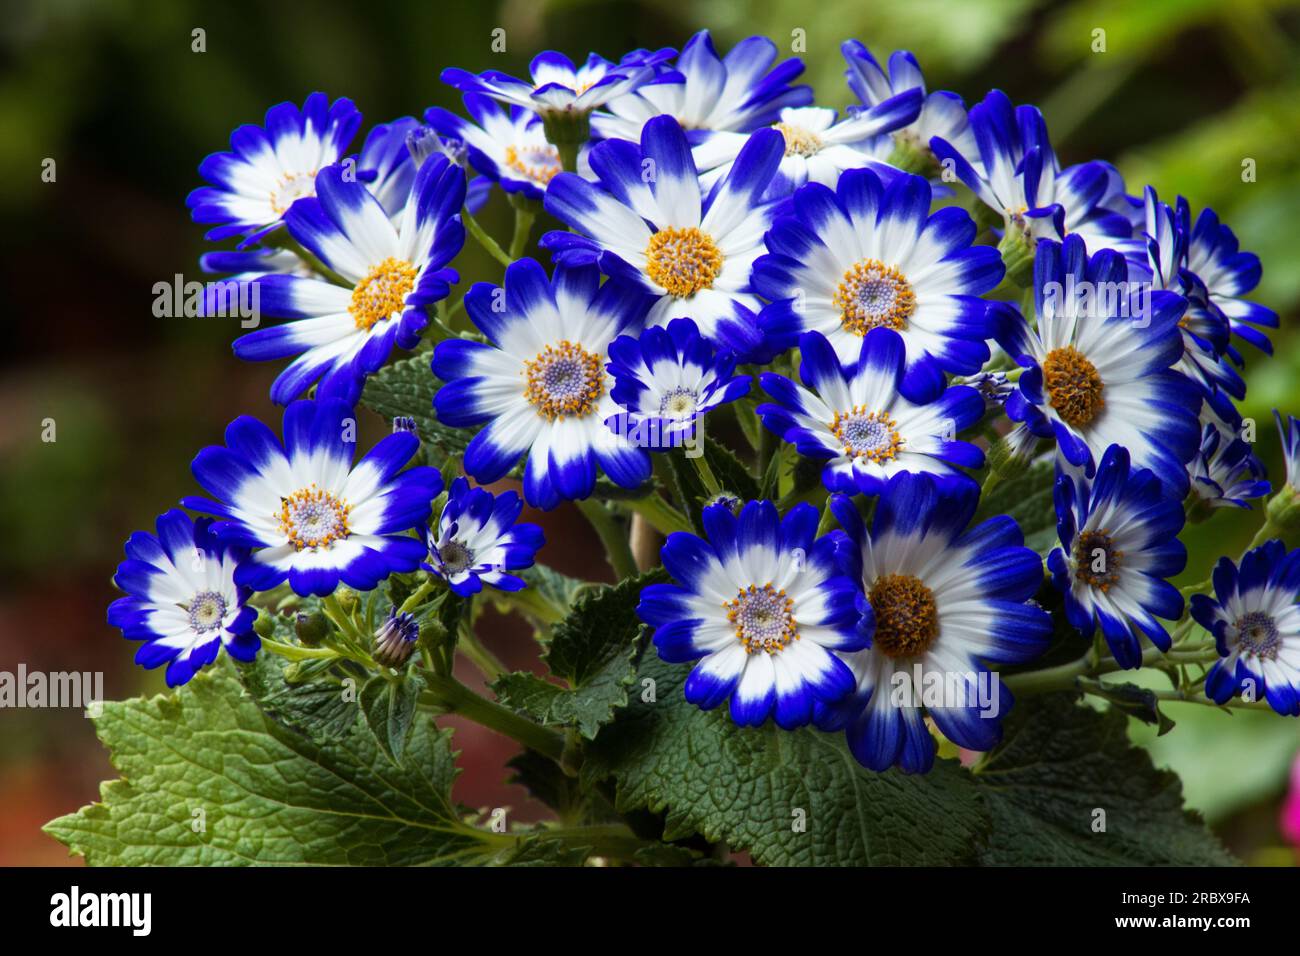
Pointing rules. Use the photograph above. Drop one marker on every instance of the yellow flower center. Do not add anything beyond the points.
(872, 435)
(382, 293)
(291, 188)
(564, 380)
(907, 619)
(313, 518)
(799, 141)
(763, 618)
(682, 261)
(540, 164)
(873, 295)
(1073, 386)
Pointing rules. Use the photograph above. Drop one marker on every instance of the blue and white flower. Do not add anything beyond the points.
(852, 416)
(1256, 626)
(343, 333)
(1119, 545)
(692, 251)
(942, 114)
(817, 147)
(666, 381)
(1022, 180)
(947, 601)
(740, 92)
(182, 600)
(1204, 328)
(508, 145)
(1228, 275)
(317, 518)
(1289, 433)
(764, 606)
(540, 382)
(865, 256)
(270, 167)
(479, 539)
(1225, 472)
(1098, 366)
(559, 87)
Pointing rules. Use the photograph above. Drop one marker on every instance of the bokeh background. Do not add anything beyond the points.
(113, 92)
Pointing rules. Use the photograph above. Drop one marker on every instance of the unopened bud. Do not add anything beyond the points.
(311, 627)
(395, 640)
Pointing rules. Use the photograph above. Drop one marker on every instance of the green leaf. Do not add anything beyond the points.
(407, 388)
(1058, 765)
(389, 708)
(314, 702)
(208, 779)
(1028, 499)
(789, 798)
(730, 471)
(593, 651)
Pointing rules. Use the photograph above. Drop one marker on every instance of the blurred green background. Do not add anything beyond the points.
(112, 91)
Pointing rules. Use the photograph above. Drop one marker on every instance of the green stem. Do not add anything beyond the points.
(706, 473)
(341, 618)
(524, 216)
(295, 653)
(533, 603)
(617, 549)
(660, 515)
(482, 658)
(449, 695)
(418, 595)
(483, 239)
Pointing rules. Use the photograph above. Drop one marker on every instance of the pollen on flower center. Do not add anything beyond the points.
(455, 557)
(679, 403)
(873, 295)
(540, 164)
(871, 435)
(1258, 636)
(682, 261)
(313, 518)
(207, 611)
(1073, 386)
(291, 188)
(564, 380)
(1096, 560)
(763, 618)
(382, 293)
(907, 619)
(799, 141)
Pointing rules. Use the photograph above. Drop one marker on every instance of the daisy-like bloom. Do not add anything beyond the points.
(666, 380)
(317, 518)
(947, 601)
(540, 381)
(1256, 625)
(385, 164)
(270, 167)
(507, 145)
(1225, 472)
(865, 256)
(1204, 328)
(1098, 367)
(558, 87)
(817, 148)
(942, 114)
(691, 251)
(477, 540)
(1228, 274)
(852, 416)
(1289, 433)
(1119, 544)
(1021, 179)
(183, 602)
(763, 601)
(342, 333)
(740, 92)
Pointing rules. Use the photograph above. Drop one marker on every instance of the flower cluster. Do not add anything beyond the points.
(824, 284)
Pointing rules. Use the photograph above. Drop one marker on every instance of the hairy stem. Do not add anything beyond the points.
(449, 695)
(617, 549)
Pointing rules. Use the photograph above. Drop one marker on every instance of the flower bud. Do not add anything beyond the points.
(1017, 248)
(395, 640)
(311, 627)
